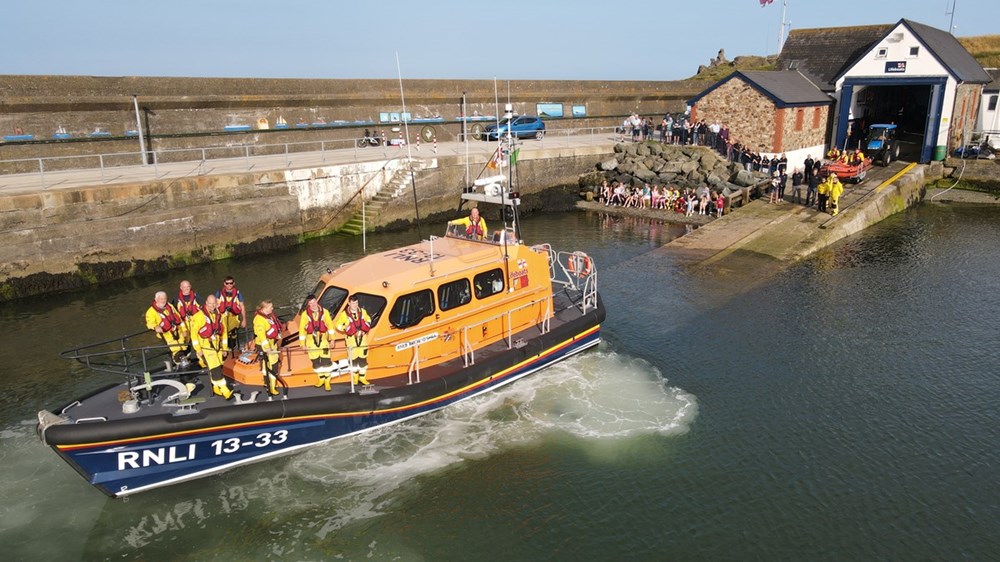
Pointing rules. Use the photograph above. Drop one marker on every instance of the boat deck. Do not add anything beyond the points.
(106, 404)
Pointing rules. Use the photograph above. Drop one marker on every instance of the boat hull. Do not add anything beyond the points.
(130, 456)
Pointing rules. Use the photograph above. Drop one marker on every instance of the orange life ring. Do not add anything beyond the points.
(579, 264)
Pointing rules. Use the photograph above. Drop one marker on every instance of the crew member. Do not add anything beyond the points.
(355, 323)
(234, 313)
(836, 190)
(267, 332)
(315, 334)
(210, 341)
(823, 192)
(162, 318)
(187, 304)
(475, 225)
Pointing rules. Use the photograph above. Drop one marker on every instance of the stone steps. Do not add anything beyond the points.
(396, 186)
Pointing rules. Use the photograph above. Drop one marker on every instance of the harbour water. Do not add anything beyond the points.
(843, 409)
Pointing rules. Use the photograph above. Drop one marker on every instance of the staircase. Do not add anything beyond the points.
(393, 188)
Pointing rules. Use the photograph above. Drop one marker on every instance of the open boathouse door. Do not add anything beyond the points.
(913, 104)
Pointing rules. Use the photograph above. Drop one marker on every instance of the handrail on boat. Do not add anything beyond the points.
(469, 353)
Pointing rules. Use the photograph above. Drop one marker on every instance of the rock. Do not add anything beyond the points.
(689, 166)
(642, 149)
(708, 161)
(657, 165)
(696, 176)
(620, 157)
(656, 148)
(666, 178)
(743, 178)
(672, 167)
(619, 148)
(643, 173)
(649, 162)
(626, 167)
(590, 180)
(609, 164)
(715, 181)
(630, 149)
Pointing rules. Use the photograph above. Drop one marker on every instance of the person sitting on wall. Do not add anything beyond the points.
(475, 225)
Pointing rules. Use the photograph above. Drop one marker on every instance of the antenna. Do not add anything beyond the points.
(409, 155)
(951, 24)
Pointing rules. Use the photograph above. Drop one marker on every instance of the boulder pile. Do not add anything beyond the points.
(664, 164)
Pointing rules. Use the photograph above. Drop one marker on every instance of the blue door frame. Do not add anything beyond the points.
(932, 126)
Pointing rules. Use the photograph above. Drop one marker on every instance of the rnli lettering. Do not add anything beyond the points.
(411, 255)
(159, 455)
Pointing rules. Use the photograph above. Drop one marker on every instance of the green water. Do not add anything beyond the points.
(843, 410)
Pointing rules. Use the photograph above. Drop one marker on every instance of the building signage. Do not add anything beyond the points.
(895, 67)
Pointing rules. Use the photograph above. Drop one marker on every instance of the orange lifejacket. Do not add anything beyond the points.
(315, 325)
(274, 325)
(213, 324)
(229, 301)
(475, 229)
(187, 306)
(169, 319)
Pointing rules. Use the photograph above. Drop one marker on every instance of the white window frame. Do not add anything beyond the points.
(911, 54)
(882, 52)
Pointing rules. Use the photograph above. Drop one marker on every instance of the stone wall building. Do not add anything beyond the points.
(770, 112)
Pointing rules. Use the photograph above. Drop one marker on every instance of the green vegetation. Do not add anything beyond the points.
(716, 73)
(985, 48)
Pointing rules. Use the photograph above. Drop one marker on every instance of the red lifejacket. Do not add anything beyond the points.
(187, 306)
(213, 326)
(315, 325)
(169, 319)
(273, 325)
(475, 229)
(228, 301)
(357, 324)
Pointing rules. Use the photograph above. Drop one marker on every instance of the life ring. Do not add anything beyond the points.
(579, 264)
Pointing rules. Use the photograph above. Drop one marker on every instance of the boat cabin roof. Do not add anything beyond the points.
(430, 262)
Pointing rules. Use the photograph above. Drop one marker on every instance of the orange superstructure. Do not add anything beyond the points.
(430, 302)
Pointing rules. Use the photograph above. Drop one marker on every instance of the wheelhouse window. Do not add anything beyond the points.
(454, 294)
(488, 283)
(330, 298)
(410, 309)
(373, 305)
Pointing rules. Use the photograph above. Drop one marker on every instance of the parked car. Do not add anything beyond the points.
(882, 144)
(522, 127)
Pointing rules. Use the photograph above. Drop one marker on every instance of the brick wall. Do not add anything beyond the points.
(967, 98)
(749, 114)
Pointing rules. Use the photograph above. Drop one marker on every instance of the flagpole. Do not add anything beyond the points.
(781, 30)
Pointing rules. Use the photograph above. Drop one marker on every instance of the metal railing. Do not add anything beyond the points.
(468, 350)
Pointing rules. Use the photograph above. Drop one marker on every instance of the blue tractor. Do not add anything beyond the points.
(882, 144)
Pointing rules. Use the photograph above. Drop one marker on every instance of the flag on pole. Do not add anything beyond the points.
(494, 162)
(513, 156)
(765, 2)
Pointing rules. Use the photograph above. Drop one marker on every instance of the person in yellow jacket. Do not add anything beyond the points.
(210, 341)
(267, 336)
(355, 323)
(474, 224)
(823, 194)
(836, 190)
(315, 335)
(163, 318)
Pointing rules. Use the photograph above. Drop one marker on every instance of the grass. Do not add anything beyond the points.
(985, 49)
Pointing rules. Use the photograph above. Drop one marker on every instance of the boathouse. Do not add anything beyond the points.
(989, 112)
(916, 76)
(771, 112)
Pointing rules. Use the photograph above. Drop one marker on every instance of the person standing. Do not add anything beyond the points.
(163, 318)
(234, 312)
(211, 343)
(267, 336)
(315, 335)
(354, 323)
(811, 187)
(836, 190)
(823, 191)
(797, 179)
(807, 170)
(187, 303)
(475, 225)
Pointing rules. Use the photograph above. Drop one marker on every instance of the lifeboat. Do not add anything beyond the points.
(450, 318)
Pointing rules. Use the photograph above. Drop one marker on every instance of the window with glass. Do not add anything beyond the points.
(488, 283)
(410, 309)
(454, 294)
(992, 105)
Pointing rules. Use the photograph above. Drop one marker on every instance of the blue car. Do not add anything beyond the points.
(522, 127)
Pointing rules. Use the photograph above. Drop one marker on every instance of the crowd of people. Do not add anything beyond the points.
(210, 330)
(689, 202)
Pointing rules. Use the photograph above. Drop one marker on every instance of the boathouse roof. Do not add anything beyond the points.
(787, 88)
(823, 54)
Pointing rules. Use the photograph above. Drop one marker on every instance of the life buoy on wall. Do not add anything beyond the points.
(579, 264)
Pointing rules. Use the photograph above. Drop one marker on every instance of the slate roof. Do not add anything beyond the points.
(950, 52)
(993, 86)
(785, 88)
(823, 54)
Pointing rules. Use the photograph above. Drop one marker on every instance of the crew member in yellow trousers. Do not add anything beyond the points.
(823, 194)
(315, 334)
(163, 318)
(836, 190)
(355, 323)
(267, 335)
(211, 342)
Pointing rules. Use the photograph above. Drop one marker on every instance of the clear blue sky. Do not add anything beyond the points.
(585, 39)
